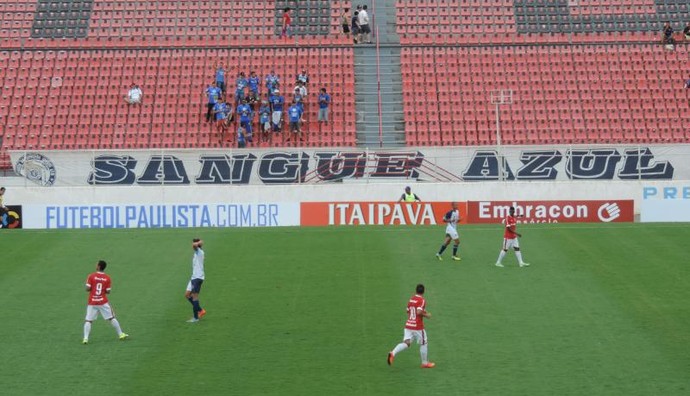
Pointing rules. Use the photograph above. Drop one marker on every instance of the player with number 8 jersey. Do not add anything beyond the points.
(414, 328)
(98, 286)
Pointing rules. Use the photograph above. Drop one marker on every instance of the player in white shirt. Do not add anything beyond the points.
(451, 219)
(194, 285)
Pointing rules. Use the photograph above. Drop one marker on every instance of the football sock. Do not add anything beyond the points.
(116, 325)
(399, 348)
(501, 255)
(443, 249)
(196, 309)
(423, 350)
(455, 250)
(519, 256)
(191, 300)
(87, 329)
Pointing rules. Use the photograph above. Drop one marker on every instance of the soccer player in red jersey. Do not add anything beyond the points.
(98, 286)
(414, 328)
(510, 239)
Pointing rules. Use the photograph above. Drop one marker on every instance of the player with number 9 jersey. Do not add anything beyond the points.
(98, 287)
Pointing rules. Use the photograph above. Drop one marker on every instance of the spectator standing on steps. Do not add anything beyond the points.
(345, 19)
(324, 102)
(364, 25)
(303, 77)
(287, 23)
(355, 26)
(277, 103)
(213, 93)
(668, 34)
(220, 77)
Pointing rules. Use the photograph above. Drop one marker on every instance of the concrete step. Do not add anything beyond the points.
(368, 72)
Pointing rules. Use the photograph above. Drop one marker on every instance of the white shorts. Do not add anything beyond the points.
(510, 243)
(189, 286)
(452, 233)
(276, 117)
(418, 336)
(92, 312)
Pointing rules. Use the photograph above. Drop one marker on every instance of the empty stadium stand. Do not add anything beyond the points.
(603, 93)
(163, 22)
(536, 21)
(581, 71)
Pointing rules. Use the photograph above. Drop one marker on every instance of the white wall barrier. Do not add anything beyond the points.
(665, 202)
(238, 188)
(242, 206)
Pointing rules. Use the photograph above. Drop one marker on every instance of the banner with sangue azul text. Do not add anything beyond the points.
(161, 216)
(291, 166)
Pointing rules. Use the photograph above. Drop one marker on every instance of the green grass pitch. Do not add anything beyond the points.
(603, 310)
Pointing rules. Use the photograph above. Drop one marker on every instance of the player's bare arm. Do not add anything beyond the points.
(423, 313)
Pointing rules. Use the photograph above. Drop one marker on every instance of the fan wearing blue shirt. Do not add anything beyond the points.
(213, 94)
(241, 85)
(220, 110)
(246, 115)
(265, 119)
(272, 82)
(241, 140)
(324, 102)
(295, 116)
(277, 104)
(220, 77)
(254, 81)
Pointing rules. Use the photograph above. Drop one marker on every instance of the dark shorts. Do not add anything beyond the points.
(364, 29)
(196, 285)
(346, 28)
(294, 126)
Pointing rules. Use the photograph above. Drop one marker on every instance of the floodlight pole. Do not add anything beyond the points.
(498, 98)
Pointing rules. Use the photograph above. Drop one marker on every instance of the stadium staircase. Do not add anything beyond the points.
(392, 123)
